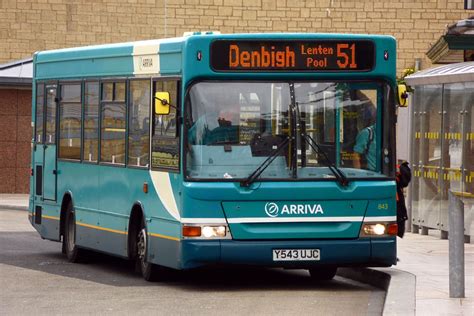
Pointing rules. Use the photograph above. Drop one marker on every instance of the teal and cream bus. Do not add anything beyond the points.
(274, 150)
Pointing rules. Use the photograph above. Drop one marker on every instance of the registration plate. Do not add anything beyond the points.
(296, 255)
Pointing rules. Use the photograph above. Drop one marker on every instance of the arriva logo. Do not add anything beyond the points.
(272, 209)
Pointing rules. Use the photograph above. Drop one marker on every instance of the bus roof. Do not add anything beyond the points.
(158, 56)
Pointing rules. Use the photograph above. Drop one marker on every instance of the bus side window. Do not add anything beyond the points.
(50, 119)
(70, 117)
(113, 122)
(165, 141)
(39, 123)
(91, 122)
(139, 123)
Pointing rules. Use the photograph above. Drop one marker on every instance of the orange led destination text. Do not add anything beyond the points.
(314, 56)
(317, 52)
(262, 58)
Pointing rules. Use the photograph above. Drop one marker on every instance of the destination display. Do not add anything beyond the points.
(310, 55)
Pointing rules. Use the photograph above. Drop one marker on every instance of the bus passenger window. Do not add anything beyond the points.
(165, 142)
(91, 122)
(113, 122)
(39, 113)
(51, 114)
(70, 122)
(139, 123)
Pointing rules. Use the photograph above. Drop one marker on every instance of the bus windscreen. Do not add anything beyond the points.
(308, 55)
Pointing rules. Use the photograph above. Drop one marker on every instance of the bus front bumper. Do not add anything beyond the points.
(375, 252)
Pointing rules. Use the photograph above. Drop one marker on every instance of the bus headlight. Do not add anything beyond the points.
(213, 231)
(204, 231)
(379, 230)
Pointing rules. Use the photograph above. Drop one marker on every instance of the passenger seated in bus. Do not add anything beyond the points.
(365, 144)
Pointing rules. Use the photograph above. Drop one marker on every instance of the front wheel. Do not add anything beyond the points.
(73, 253)
(323, 273)
(149, 271)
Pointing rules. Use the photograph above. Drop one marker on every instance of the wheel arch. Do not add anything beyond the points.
(67, 198)
(137, 215)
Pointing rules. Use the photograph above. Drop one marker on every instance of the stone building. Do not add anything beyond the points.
(27, 26)
(30, 25)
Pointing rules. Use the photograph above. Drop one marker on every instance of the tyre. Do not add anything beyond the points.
(150, 272)
(323, 273)
(73, 253)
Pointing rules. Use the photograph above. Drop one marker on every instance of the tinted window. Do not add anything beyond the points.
(139, 123)
(39, 112)
(51, 114)
(91, 121)
(165, 143)
(112, 148)
(70, 116)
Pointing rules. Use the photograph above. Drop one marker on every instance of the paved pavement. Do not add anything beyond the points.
(14, 201)
(427, 258)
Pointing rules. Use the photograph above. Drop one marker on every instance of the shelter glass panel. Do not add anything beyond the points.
(468, 158)
(430, 154)
(415, 158)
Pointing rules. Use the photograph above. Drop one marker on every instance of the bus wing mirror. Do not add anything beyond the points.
(402, 95)
(162, 103)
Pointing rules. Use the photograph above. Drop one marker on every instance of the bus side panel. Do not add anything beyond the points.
(384, 251)
(81, 181)
(48, 226)
(102, 240)
(162, 210)
(164, 248)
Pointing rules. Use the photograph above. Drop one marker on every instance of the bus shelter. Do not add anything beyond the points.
(442, 145)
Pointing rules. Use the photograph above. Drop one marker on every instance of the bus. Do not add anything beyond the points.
(274, 150)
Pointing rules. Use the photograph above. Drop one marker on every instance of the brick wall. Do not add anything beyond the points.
(15, 138)
(30, 25)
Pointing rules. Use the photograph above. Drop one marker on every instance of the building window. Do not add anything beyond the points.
(39, 124)
(70, 116)
(91, 122)
(165, 141)
(113, 123)
(139, 123)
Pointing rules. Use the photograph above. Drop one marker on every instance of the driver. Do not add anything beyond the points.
(218, 125)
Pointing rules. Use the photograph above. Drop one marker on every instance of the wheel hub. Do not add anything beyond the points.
(141, 244)
(71, 233)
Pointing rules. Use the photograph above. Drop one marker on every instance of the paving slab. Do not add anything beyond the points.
(14, 201)
(427, 257)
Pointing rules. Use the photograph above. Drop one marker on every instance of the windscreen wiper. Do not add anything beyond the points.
(264, 165)
(340, 176)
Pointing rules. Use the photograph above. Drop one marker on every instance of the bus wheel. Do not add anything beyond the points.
(323, 273)
(150, 271)
(73, 253)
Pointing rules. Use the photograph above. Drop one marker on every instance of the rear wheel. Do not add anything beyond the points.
(149, 271)
(73, 253)
(323, 273)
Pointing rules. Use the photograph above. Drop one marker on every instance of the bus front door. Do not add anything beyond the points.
(49, 153)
